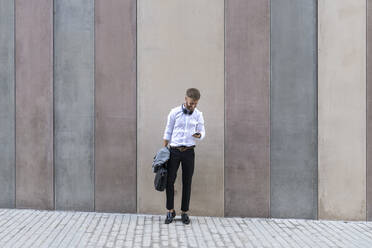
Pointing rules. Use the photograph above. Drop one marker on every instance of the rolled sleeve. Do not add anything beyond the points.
(169, 127)
(201, 128)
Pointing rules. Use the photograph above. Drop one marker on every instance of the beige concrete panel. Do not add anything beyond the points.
(181, 45)
(342, 109)
(369, 110)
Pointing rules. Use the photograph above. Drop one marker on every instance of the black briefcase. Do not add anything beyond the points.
(160, 181)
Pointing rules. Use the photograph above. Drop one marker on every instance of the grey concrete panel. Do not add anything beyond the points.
(74, 104)
(34, 104)
(342, 109)
(247, 116)
(115, 77)
(293, 109)
(181, 45)
(7, 105)
(369, 110)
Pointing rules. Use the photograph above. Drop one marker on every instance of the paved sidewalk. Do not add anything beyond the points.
(33, 228)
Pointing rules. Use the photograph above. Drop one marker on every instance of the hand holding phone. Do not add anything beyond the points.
(196, 135)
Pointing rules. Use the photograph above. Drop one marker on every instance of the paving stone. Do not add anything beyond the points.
(35, 228)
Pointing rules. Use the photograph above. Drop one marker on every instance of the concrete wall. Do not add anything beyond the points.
(342, 109)
(247, 108)
(74, 104)
(181, 45)
(86, 86)
(293, 109)
(7, 105)
(369, 110)
(115, 108)
(34, 103)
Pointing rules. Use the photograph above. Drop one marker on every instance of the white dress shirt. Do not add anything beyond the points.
(180, 127)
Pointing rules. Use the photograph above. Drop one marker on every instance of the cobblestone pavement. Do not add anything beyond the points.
(33, 228)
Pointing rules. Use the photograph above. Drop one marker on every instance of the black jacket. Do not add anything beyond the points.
(159, 166)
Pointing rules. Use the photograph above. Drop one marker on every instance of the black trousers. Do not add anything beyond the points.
(187, 159)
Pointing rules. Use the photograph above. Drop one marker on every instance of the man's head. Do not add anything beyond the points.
(191, 99)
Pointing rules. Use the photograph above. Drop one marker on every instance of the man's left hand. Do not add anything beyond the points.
(196, 135)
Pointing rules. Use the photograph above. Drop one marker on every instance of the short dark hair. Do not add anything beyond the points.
(193, 93)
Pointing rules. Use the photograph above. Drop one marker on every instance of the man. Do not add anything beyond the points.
(185, 125)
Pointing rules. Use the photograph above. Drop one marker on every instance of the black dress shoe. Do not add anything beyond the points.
(170, 216)
(185, 218)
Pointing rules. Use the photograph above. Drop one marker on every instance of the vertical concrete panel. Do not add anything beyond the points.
(34, 104)
(247, 155)
(74, 104)
(369, 110)
(115, 77)
(342, 109)
(7, 108)
(181, 45)
(293, 108)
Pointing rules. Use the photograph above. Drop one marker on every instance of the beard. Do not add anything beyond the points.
(188, 107)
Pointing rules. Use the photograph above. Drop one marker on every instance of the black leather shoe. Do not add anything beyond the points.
(170, 216)
(185, 218)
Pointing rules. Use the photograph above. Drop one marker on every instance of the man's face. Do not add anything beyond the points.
(190, 103)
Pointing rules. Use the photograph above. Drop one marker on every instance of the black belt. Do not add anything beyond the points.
(182, 148)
